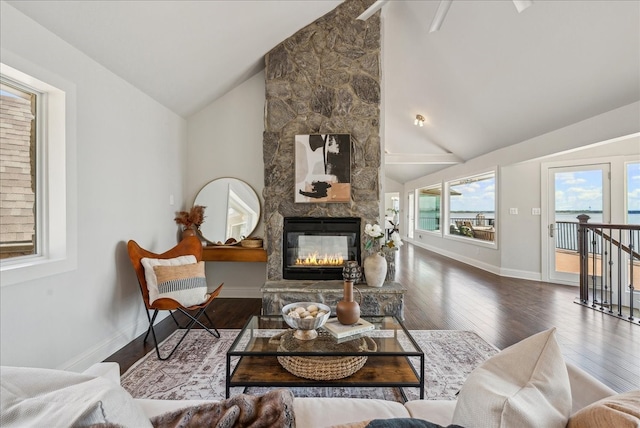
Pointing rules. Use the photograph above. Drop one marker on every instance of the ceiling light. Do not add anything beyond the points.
(419, 120)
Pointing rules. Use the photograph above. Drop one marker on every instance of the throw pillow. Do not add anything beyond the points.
(524, 385)
(185, 283)
(272, 409)
(620, 411)
(150, 275)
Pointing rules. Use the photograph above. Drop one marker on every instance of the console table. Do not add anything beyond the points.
(386, 300)
(234, 253)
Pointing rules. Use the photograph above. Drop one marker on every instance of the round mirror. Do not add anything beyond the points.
(232, 210)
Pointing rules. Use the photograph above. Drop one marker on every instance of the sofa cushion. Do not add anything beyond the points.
(311, 412)
(150, 275)
(34, 397)
(620, 411)
(185, 283)
(524, 385)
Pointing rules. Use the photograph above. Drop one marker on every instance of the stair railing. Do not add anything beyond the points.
(608, 259)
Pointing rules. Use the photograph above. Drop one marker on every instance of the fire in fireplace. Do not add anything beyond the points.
(317, 247)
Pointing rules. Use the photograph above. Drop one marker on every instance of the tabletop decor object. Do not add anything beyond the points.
(190, 220)
(375, 270)
(305, 318)
(381, 252)
(347, 309)
(323, 367)
(252, 242)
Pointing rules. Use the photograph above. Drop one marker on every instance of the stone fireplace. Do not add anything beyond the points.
(324, 79)
(317, 247)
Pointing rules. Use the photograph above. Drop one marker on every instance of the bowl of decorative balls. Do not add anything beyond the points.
(306, 317)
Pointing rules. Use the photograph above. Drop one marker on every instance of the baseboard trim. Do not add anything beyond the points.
(109, 346)
(497, 270)
(521, 274)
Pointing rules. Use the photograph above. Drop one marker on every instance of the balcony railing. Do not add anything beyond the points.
(609, 266)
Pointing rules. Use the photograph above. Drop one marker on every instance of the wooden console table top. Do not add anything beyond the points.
(234, 253)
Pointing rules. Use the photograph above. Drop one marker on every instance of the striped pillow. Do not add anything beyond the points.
(184, 283)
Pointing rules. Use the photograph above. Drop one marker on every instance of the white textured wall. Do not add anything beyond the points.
(225, 140)
(129, 158)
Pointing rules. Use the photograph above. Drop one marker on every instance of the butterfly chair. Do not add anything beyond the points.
(190, 245)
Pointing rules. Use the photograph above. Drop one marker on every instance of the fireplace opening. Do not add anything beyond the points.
(317, 247)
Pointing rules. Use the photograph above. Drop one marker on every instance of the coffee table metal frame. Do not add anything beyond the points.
(388, 366)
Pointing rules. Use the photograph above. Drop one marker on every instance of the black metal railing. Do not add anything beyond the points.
(431, 222)
(609, 267)
(567, 235)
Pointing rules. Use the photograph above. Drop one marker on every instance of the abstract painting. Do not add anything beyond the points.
(323, 168)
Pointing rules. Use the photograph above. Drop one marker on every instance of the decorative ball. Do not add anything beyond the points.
(306, 315)
(351, 271)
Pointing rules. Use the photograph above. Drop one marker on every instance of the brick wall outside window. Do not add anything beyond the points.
(17, 175)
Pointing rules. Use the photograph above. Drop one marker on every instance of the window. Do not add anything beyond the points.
(18, 155)
(38, 235)
(429, 202)
(633, 193)
(472, 207)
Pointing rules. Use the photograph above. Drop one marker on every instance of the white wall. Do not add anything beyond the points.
(225, 140)
(129, 154)
(518, 252)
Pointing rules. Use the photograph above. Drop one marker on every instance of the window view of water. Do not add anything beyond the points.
(594, 216)
(430, 220)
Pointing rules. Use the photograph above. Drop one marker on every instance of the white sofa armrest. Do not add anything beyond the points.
(585, 389)
(110, 371)
(436, 411)
(324, 412)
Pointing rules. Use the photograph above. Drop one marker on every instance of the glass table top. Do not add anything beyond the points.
(270, 335)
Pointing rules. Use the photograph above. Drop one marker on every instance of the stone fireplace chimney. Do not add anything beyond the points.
(324, 79)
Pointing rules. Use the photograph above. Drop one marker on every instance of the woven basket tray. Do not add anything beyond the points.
(251, 243)
(324, 368)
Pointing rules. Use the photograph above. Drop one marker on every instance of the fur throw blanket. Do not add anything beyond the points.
(272, 409)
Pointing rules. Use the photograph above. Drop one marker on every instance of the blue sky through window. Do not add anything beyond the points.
(633, 186)
(579, 191)
(475, 196)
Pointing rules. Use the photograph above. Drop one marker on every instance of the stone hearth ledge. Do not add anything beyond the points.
(386, 300)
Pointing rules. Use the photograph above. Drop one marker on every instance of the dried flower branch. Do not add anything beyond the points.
(194, 217)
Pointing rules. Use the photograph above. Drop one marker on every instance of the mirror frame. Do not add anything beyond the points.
(222, 201)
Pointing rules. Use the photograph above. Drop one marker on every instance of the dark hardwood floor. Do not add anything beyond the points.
(446, 294)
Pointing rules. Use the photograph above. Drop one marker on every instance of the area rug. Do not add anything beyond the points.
(197, 369)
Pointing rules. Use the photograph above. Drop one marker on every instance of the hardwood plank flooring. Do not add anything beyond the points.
(446, 294)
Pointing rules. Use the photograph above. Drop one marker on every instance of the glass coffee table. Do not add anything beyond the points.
(264, 347)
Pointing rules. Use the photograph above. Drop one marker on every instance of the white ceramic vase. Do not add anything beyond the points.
(375, 270)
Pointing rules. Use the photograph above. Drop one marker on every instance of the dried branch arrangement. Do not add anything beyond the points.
(194, 217)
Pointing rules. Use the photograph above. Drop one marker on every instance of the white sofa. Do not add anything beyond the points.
(324, 412)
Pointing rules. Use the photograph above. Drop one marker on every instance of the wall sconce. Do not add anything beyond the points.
(419, 120)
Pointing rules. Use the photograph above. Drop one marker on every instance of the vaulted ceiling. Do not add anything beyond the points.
(489, 78)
